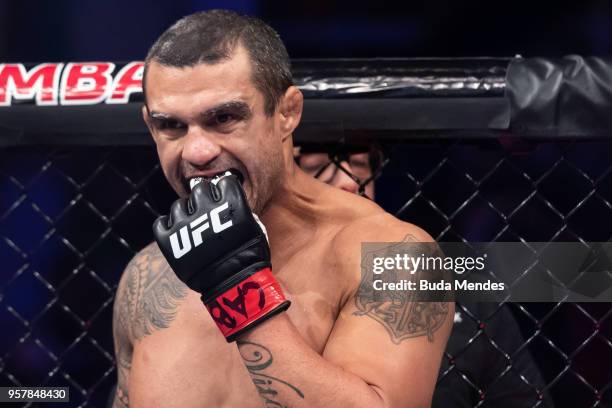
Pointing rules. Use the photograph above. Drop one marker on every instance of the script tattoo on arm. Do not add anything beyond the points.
(402, 314)
(257, 359)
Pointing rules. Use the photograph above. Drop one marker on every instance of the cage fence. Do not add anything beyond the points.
(72, 217)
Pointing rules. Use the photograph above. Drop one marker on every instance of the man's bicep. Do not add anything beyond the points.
(122, 337)
(149, 384)
(396, 347)
(146, 301)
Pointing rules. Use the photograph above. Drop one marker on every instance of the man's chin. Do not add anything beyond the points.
(182, 192)
(251, 200)
(254, 203)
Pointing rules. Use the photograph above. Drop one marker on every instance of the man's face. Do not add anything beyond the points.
(355, 170)
(210, 118)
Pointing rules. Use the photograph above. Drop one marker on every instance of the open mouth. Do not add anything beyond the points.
(191, 183)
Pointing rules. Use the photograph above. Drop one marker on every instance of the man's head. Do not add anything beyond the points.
(349, 168)
(218, 96)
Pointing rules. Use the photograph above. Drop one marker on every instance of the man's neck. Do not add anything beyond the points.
(294, 210)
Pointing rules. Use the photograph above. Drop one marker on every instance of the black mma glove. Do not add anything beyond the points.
(215, 245)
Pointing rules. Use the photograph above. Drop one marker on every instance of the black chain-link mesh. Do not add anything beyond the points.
(70, 219)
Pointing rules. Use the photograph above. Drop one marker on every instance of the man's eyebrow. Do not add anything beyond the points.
(159, 115)
(237, 108)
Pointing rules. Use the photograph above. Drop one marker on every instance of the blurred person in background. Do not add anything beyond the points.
(349, 168)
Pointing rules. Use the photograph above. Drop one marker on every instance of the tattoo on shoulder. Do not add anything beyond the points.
(401, 314)
(153, 293)
(257, 359)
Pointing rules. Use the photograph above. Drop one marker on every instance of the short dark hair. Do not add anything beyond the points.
(211, 36)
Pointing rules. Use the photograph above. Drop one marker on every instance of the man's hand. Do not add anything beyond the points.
(214, 244)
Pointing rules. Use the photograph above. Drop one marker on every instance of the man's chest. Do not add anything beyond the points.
(314, 286)
(310, 281)
(193, 342)
(212, 372)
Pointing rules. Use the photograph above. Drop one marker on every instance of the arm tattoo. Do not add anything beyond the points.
(124, 364)
(400, 313)
(123, 346)
(257, 359)
(153, 293)
(146, 299)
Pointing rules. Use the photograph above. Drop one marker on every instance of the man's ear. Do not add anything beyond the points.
(145, 116)
(290, 109)
(147, 119)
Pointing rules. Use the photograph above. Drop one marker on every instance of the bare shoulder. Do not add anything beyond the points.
(376, 225)
(369, 226)
(148, 294)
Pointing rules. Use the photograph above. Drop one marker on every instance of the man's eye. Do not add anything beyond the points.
(313, 168)
(224, 118)
(169, 125)
(359, 163)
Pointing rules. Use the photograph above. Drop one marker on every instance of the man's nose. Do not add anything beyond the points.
(343, 180)
(199, 148)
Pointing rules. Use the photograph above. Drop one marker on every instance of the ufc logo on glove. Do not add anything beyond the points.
(197, 227)
(232, 272)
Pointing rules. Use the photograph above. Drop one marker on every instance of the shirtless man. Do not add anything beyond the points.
(219, 96)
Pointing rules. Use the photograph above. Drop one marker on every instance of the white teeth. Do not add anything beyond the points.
(218, 177)
(197, 180)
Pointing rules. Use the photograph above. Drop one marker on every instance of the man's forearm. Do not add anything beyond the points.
(287, 372)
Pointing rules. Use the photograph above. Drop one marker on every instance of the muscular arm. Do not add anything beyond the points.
(145, 301)
(123, 346)
(385, 354)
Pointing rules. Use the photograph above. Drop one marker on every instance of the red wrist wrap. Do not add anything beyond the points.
(246, 303)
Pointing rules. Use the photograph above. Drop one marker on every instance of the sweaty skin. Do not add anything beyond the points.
(326, 350)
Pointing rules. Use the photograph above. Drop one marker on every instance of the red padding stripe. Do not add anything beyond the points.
(246, 302)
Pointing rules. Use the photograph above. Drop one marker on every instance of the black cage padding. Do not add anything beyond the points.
(530, 97)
